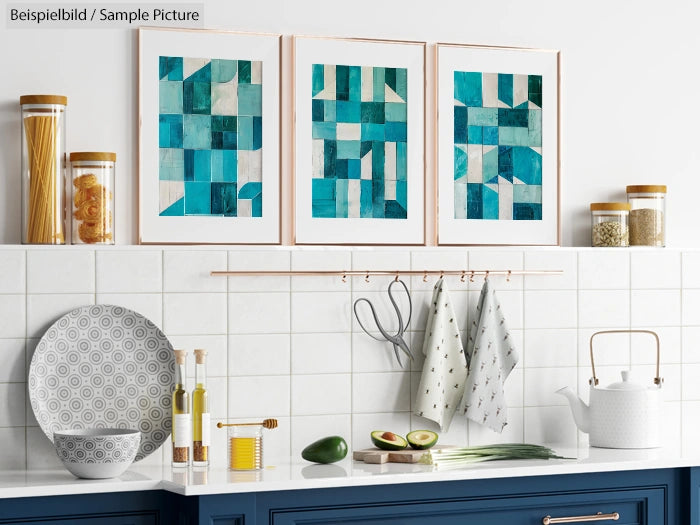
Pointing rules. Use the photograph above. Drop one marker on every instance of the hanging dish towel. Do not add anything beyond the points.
(491, 357)
(445, 369)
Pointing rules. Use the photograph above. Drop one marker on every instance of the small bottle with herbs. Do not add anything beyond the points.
(181, 416)
(201, 420)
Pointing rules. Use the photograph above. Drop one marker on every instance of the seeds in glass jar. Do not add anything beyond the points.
(647, 227)
(181, 454)
(610, 233)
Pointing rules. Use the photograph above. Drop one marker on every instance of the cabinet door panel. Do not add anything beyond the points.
(635, 507)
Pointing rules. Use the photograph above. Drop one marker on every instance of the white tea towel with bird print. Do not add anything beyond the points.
(491, 357)
(445, 369)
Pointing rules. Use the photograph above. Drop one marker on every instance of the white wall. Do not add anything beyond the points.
(628, 73)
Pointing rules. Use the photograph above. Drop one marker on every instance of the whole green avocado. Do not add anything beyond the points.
(326, 450)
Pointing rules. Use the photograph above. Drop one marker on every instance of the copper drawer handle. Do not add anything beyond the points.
(580, 519)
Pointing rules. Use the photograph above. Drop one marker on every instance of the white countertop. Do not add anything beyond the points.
(346, 473)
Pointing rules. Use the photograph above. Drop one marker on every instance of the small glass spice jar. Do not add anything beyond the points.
(43, 168)
(647, 215)
(609, 224)
(93, 197)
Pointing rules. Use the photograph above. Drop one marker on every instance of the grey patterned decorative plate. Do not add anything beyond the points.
(104, 366)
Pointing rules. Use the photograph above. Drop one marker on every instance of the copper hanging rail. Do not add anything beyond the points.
(394, 273)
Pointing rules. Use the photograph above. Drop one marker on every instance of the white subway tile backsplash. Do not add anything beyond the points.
(550, 347)
(13, 359)
(290, 349)
(655, 269)
(258, 354)
(370, 355)
(189, 271)
(435, 260)
(12, 400)
(129, 271)
(549, 309)
(386, 260)
(320, 394)
(16, 459)
(320, 259)
(215, 345)
(13, 270)
(601, 268)
(259, 313)
(44, 309)
(381, 392)
(656, 308)
(552, 424)
(690, 307)
(691, 386)
(194, 313)
(322, 353)
(690, 264)
(690, 428)
(150, 305)
(258, 396)
(76, 274)
(321, 312)
(497, 260)
(608, 348)
(551, 259)
(540, 385)
(258, 261)
(690, 336)
(41, 454)
(644, 345)
(604, 308)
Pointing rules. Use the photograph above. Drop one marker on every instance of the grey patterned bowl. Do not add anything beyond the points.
(97, 453)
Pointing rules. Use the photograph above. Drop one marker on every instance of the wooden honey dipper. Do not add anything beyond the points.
(266, 423)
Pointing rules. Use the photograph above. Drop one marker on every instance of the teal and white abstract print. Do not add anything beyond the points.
(497, 146)
(210, 137)
(359, 142)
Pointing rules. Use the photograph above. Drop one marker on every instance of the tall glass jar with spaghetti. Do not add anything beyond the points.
(92, 197)
(43, 168)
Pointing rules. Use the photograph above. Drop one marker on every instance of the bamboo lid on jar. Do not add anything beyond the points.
(43, 99)
(610, 206)
(200, 356)
(93, 155)
(647, 188)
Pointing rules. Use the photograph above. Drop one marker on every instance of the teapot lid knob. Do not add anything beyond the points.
(625, 375)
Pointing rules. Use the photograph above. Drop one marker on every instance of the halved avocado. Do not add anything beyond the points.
(388, 440)
(421, 439)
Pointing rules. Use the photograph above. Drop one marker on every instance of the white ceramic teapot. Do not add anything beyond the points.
(623, 414)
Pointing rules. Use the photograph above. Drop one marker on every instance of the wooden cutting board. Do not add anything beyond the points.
(375, 455)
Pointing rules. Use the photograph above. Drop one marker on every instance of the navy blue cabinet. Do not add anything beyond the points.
(122, 508)
(645, 497)
(650, 497)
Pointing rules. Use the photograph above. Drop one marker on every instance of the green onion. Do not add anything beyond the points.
(446, 458)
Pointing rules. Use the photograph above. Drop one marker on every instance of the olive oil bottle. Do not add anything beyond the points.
(181, 416)
(201, 421)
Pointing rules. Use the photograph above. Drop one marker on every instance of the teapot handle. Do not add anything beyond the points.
(657, 380)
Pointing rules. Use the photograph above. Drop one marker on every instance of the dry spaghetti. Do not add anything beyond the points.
(45, 212)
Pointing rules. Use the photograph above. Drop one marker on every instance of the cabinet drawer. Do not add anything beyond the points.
(635, 507)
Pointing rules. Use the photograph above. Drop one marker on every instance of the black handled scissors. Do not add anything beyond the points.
(397, 339)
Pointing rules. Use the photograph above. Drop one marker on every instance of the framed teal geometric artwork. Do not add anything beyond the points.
(359, 141)
(498, 145)
(209, 136)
